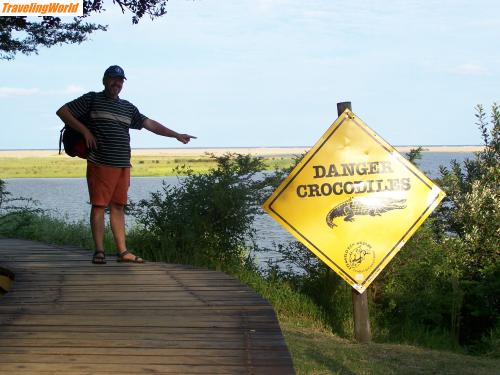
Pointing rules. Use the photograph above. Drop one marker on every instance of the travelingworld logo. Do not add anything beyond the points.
(64, 8)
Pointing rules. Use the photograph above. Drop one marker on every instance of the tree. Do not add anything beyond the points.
(26, 34)
(470, 217)
(447, 277)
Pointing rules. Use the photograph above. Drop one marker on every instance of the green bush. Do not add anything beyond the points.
(22, 217)
(207, 219)
(469, 221)
(308, 275)
(37, 225)
(446, 280)
(412, 299)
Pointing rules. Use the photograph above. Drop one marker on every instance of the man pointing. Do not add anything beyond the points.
(108, 163)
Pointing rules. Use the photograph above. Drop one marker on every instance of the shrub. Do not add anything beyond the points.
(469, 221)
(447, 277)
(206, 219)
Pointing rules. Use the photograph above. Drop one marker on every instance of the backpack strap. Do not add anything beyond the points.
(60, 138)
(93, 95)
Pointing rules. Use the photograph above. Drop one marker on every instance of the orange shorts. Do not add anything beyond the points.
(107, 184)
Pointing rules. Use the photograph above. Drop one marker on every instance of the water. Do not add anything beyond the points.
(68, 198)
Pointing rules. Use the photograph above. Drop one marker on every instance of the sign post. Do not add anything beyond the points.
(354, 201)
(361, 313)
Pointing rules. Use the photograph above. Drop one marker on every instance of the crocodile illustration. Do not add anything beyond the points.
(373, 206)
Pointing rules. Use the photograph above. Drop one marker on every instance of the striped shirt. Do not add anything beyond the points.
(109, 121)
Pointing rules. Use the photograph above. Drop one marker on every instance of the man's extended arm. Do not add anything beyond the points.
(67, 117)
(157, 128)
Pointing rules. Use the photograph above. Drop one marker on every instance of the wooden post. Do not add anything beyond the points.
(342, 106)
(362, 331)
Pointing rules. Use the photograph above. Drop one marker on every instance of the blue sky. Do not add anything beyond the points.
(269, 72)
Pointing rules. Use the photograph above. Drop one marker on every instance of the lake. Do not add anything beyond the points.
(68, 197)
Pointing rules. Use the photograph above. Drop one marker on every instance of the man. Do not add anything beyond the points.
(108, 163)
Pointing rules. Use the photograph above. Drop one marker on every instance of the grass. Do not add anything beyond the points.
(315, 349)
(61, 166)
(320, 352)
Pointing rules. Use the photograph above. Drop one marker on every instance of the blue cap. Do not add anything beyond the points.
(114, 71)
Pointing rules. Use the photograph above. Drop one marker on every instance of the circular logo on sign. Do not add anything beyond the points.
(359, 256)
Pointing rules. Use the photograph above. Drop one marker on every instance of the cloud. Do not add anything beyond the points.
(73, 89)
(68, 90)
(18, 91)
(318, 15)
(470, 69)
(21, 91)
(269, 5)
(488, 24)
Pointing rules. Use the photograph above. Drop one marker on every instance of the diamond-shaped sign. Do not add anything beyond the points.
(353, 200)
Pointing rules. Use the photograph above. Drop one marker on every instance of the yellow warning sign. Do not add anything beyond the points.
(353, 200)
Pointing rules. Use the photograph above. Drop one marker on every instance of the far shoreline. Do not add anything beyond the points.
(257, 151)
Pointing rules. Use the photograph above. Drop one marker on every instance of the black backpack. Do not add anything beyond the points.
(73, 141)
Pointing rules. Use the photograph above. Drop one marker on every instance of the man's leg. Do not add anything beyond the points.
(99, 197)
(117, 220)
(97, 226)
(117, 214)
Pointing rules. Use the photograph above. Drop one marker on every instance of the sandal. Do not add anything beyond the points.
(120, 258)
(99, 257)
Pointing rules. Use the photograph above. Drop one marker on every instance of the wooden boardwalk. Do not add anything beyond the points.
(64, 315)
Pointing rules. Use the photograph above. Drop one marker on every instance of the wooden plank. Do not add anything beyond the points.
(193, 344)
(96, 273)
(125, 360)
(133, 305)
(104, 369)
(178, 335)
(143, 321)
(140, 310)
(140, 296)
(83, 288)
(166, 313)
(148, 355)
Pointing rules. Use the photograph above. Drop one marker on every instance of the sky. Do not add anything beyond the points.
(267, 73)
